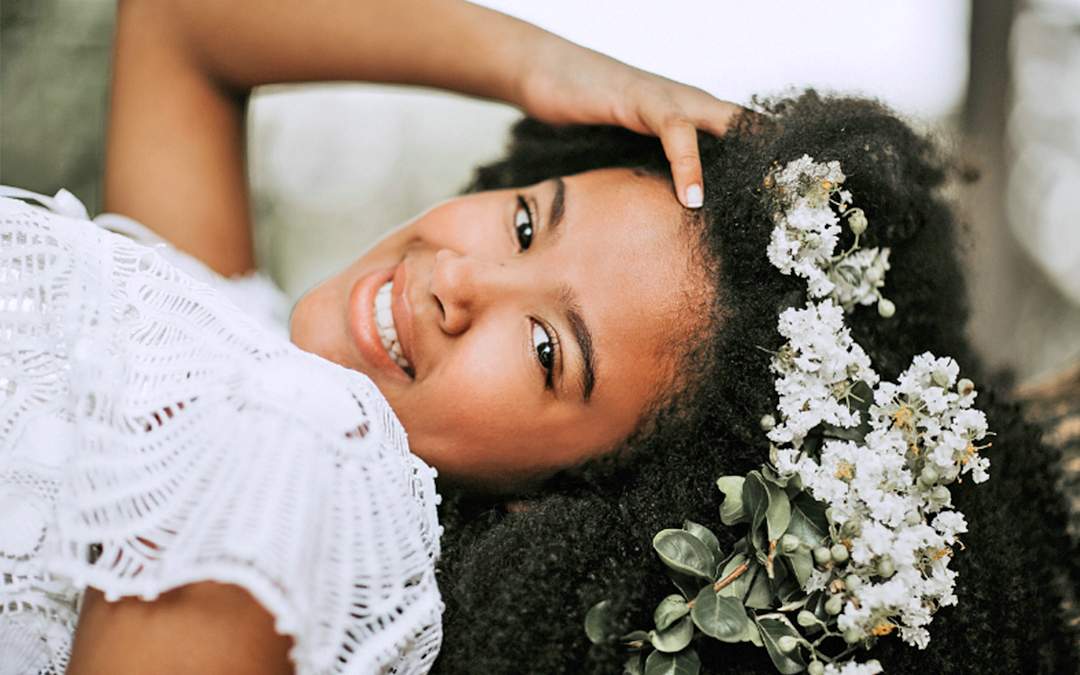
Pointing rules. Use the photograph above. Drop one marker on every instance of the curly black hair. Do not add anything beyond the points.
(517, 584)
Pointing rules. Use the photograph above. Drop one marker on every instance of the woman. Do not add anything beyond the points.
(464, 280)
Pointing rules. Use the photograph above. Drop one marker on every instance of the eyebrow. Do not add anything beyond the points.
(584, 339)
(557, 207)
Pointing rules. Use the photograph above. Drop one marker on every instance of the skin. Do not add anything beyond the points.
(478, 408)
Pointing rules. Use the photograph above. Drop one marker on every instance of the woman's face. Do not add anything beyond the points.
(522, 331)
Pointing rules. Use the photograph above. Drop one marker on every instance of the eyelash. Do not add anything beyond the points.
(553, 343)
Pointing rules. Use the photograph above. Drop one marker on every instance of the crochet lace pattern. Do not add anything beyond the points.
(153, 435)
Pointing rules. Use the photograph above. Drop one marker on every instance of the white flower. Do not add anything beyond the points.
(871, 667)
(950, 524)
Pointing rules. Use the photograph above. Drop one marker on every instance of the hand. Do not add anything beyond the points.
(567, 84)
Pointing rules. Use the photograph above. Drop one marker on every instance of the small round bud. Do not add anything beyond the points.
(815, 668)
(768, 422)
(789, 543)
(839, 553)
(912, 518)
(822, 555)
(834, 605)
(886, 308)
(853, 635)
(929, 475)
(940, 494)
(806, 618)
(885, 567)
(940, 379)
(786, 643)
(950, 474)
(853, 582)
(850, 528)
(965, 386)
(857, 221)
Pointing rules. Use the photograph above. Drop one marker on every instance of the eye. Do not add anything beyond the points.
(544, 345)
(523, 224)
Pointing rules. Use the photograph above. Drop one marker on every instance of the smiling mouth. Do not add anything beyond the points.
(384, 324)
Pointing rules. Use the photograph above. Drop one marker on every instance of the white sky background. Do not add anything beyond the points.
(911, 53)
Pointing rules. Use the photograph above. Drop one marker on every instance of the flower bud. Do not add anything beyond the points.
(886, 308)
(852, 635)
(853, 583)
(789, 543)
(940, 494)
(857, 221)
(838, 553)
(787, 643)
(929, 475)
(834, 605)
(950, 474)
(940, 379)
(768, 422)
(965, 386)
(912, 518)
(815, 668)
(822, 555)
(806, 618)
(885, 567)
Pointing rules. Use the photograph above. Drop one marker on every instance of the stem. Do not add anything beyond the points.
(735, 574)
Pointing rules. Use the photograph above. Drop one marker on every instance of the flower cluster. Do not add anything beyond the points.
(850, 525)
(881, 467)
(809, 206)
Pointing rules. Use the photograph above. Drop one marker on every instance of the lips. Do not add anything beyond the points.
(364, 331)
(403, 314)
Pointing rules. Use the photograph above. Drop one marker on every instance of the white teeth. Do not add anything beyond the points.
(384, 323)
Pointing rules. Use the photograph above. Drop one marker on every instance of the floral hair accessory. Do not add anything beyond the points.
(850, 525)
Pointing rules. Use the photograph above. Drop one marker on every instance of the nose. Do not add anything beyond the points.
(462, 286)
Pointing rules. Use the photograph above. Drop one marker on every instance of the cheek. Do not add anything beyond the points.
(467, 225)
(472, 407)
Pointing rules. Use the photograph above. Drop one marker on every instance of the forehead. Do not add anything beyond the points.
(627, 252)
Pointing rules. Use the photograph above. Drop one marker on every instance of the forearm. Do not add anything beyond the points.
(439, 43)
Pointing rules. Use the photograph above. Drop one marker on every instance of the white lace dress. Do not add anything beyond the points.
(153, 434)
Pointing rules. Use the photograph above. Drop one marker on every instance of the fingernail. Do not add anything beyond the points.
(694, 196)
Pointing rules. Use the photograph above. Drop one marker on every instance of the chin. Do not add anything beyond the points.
(317, 325)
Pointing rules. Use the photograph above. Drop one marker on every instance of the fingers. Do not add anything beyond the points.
(679, 139)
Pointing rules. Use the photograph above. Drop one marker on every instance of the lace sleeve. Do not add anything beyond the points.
(211, 450)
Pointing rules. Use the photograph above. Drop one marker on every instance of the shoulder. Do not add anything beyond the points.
(205, 627)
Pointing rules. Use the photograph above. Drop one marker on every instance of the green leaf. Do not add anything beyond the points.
(675, 637)
(766, 503)
(635, 639)
(802, 563)
(685, 662)
(706, 536)
(752, 634)
(760, 595)
(808, 521)
(635, 665)
(688, 584)
(598, 623)
(670, 609)
(737, 588)
(773, 627)
(684, 553)
(732, 510)
(719, 616)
